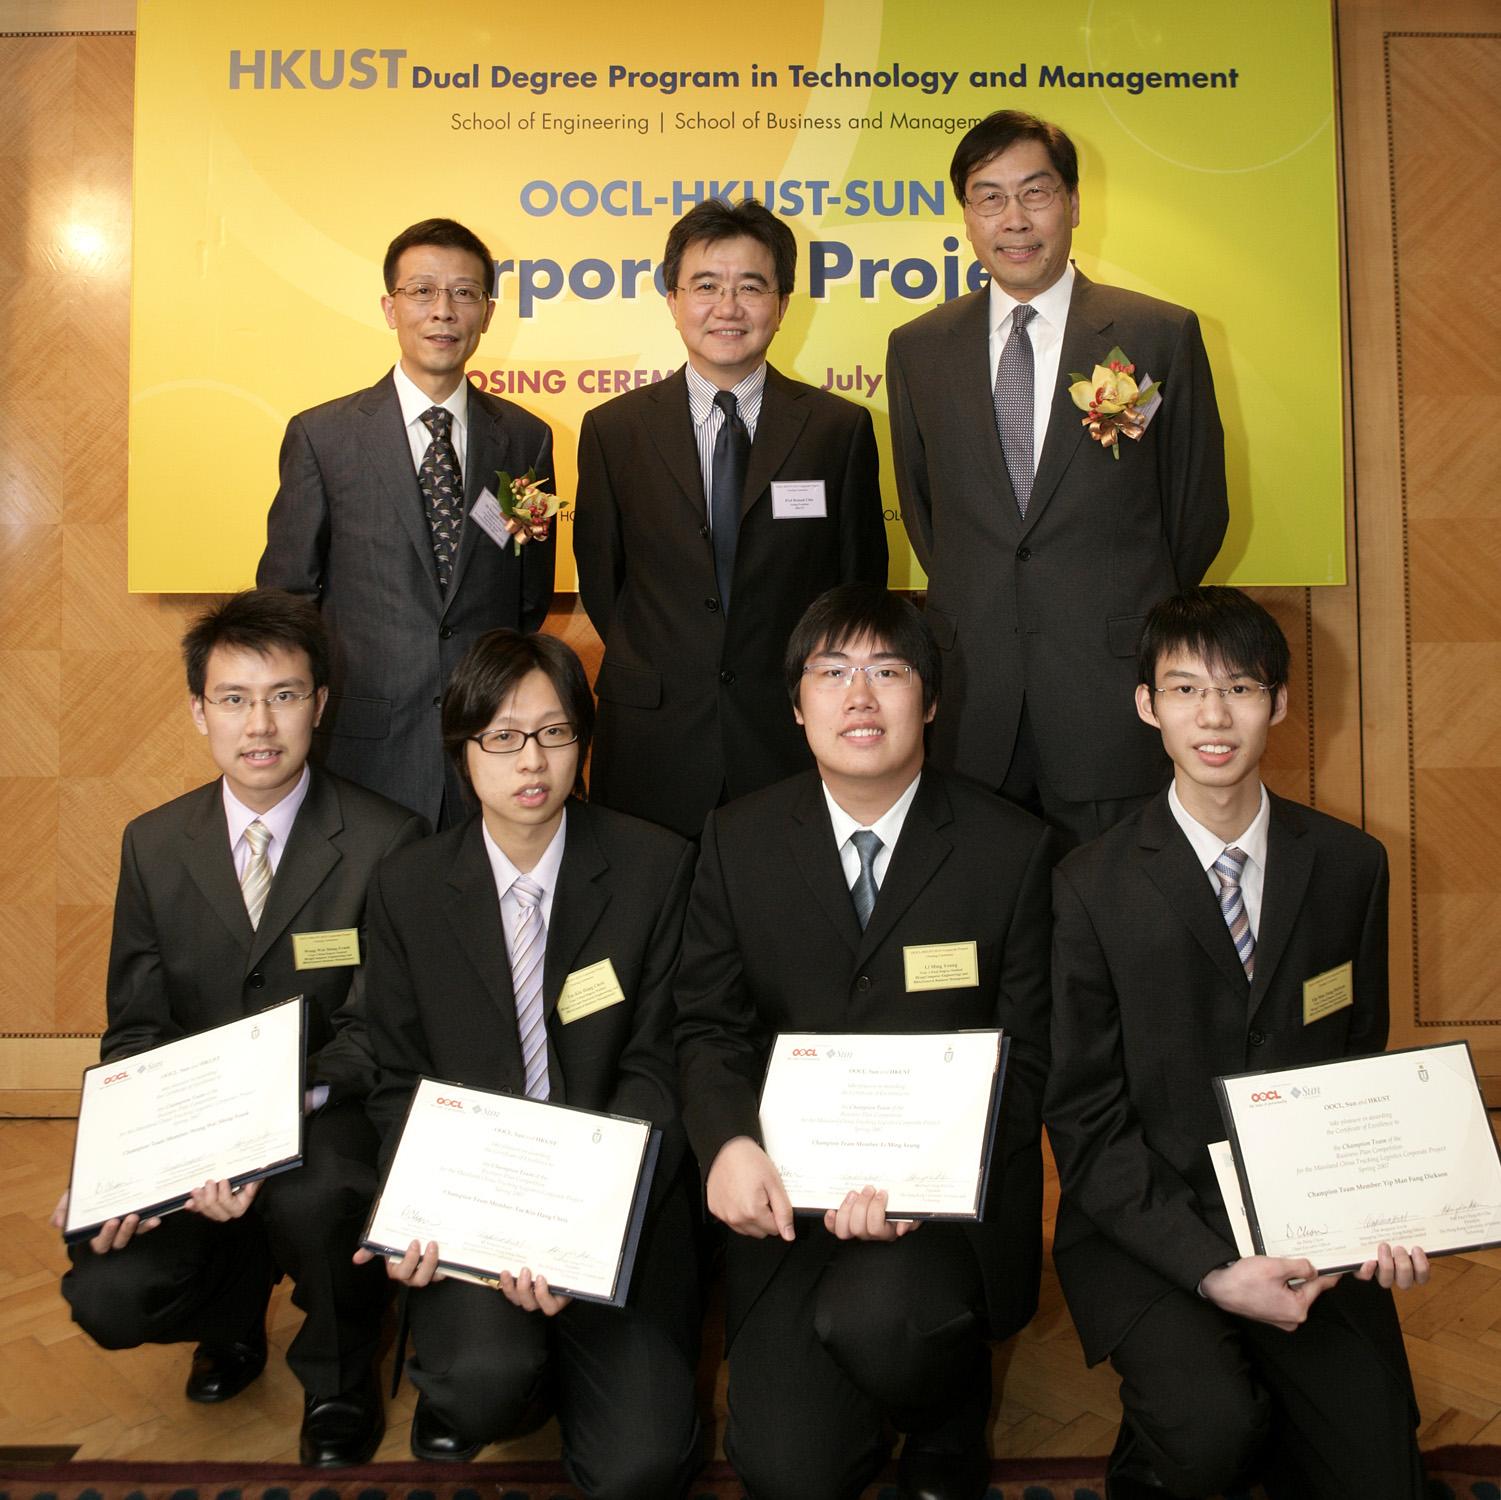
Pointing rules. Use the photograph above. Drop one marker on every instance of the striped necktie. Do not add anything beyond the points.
(528, 949)
(255, 883)
(1227, 869)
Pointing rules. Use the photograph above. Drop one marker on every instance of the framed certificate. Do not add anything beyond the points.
(1334, 1158)
(502, 1183)
(913, 1113)
(223, 1103)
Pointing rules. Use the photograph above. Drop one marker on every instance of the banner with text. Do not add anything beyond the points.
(280, 146)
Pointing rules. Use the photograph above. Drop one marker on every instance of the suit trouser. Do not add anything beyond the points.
(621, 1378)
(1326, 1415)
(193, 1279)
(847, 1338)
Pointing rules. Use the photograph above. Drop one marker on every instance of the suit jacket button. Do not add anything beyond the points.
(1256, 1038)
(1023, 553)
(703, 531)
(863, 983)
(256, 980)
(438, 701)
(711, 605)
(727, 677)
(446, 633)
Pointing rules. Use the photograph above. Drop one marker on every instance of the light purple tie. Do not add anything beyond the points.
(1014, 398)
(1227, 870)
(528, 949)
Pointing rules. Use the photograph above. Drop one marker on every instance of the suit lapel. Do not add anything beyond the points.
(388, 457)
(1289, 867)
(486, 448)
(818, 860)
(780, 424)
(975, 399)
(1085, 342)
(210, 863)
(578, 903)
(670, 425)
(1174, 869)
(478, 931)
(305, 864)
(919, 852)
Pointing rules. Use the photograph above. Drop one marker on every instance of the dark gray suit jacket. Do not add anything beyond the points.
(692, 700)
(184, 956)
(772, 944)
(1051, 607)
(348, 529)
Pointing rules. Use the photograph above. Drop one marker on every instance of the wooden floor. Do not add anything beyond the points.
(56, 1387)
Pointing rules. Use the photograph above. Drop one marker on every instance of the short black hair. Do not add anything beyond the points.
(447, 233)
(259, 620)
(856, 610)
(1001, 131)
(714, 220)
(491, 670)
(1230, 630)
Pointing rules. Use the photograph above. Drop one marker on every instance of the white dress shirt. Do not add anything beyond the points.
(544, 873)
(279, 820)
(414, 401)
(887, 828)
(1046, 334)
(1209, 846)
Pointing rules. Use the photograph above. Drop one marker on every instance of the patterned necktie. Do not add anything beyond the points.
(528, 949)
(1014, 398)
(1227, 869)
(863, 891)
(255, 883)
(442, 490)
(731, 457)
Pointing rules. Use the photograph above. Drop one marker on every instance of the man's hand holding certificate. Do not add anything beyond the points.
(911, 1116)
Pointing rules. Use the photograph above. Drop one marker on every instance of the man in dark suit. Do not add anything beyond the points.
(213, 889)
(836, 1329)
(376, 520)
(712, 508)
(456, 993)
(1183, 943)
(1044, 552)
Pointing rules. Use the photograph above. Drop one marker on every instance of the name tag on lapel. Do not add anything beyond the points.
(335, 949)
(798, 499)
(588, 990)
(1328, 992)
(941, 966)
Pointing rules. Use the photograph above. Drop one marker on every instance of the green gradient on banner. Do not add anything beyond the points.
(279, 147)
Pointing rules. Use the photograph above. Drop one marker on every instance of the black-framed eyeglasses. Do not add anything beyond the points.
(511, 741)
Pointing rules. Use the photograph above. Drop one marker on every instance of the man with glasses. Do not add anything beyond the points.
(712, 508)
(1044, 547)
(215, 889)
(1184, 942)
(375, 521)
(808, 902)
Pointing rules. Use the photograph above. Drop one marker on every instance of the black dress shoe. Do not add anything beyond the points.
(224, 1370)
(926, 1474)
(434, 1441)
(1128, 1473)
(344, 1429)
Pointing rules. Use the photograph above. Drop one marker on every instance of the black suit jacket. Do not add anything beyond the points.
(772, 944)
(441, 1003)
(1151, 1004)
(184, 956)
(1051, 607)
(692, 699)
(348, 529)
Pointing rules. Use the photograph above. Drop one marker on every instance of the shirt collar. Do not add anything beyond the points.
(701, 392)
(414, 401)
(1051, 305)
(278, 819)
(1209, 846)
(544, 873)
(887, 827)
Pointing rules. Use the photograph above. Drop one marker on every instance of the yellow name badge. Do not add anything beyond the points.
(335, 949)
(1328, 992)
(941, 966)
(588, 990)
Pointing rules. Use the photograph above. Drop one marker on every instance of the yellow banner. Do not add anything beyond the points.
(280, 146)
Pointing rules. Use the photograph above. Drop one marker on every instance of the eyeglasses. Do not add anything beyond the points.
(1238, 694)
(424, 291)
(710, 293)
(237, 705)
(1035, 195)
(511, 741)
(883, 677)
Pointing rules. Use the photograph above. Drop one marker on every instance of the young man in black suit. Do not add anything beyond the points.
(838, 1329)
(213, 888)
(1183, 940)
